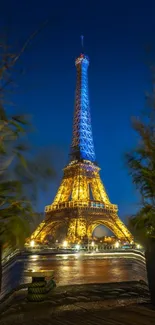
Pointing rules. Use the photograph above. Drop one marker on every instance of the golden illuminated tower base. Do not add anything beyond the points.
(80, 205)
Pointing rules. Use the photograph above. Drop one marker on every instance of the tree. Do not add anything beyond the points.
(141, 165)
(23, 172)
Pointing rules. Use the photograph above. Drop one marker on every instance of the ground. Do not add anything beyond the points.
(112, 304)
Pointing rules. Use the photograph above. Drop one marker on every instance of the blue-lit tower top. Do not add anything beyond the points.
(82, 147)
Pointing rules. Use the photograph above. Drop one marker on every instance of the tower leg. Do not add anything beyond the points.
(81, 228)
(76, 230)
(71, 234)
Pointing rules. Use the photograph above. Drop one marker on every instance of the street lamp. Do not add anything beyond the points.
(32, 243)
(117, 244)
(65, 244)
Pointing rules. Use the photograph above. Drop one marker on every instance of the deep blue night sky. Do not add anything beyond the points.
(116, 34)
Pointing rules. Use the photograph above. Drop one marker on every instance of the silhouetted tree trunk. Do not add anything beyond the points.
(150, 266)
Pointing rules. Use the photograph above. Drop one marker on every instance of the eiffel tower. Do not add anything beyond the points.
(81, 202)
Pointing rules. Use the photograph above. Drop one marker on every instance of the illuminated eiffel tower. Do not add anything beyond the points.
(81, 202)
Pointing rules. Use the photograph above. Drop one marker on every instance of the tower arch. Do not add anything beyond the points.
(114, 228)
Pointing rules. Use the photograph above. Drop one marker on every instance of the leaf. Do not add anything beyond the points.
(22, 160)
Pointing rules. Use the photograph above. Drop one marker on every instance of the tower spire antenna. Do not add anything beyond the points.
(82, 43)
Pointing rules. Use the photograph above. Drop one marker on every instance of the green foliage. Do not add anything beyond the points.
(141, 165)
(142, 224)
(22, 172)
(15, 231)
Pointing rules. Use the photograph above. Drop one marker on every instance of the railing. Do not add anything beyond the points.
(10, 256)
(81, 204)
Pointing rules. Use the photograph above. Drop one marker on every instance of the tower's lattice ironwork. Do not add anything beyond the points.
(81, 202)
(82, 142)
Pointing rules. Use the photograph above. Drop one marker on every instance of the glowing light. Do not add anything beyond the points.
(138, 246)
(81, 185)
(35, 257)
(117, 244)
(65, 244)
(32, 243)
(77, 246)
(93, 244)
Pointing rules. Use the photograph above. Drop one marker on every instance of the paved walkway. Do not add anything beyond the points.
(110, 304)
(129, 315)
